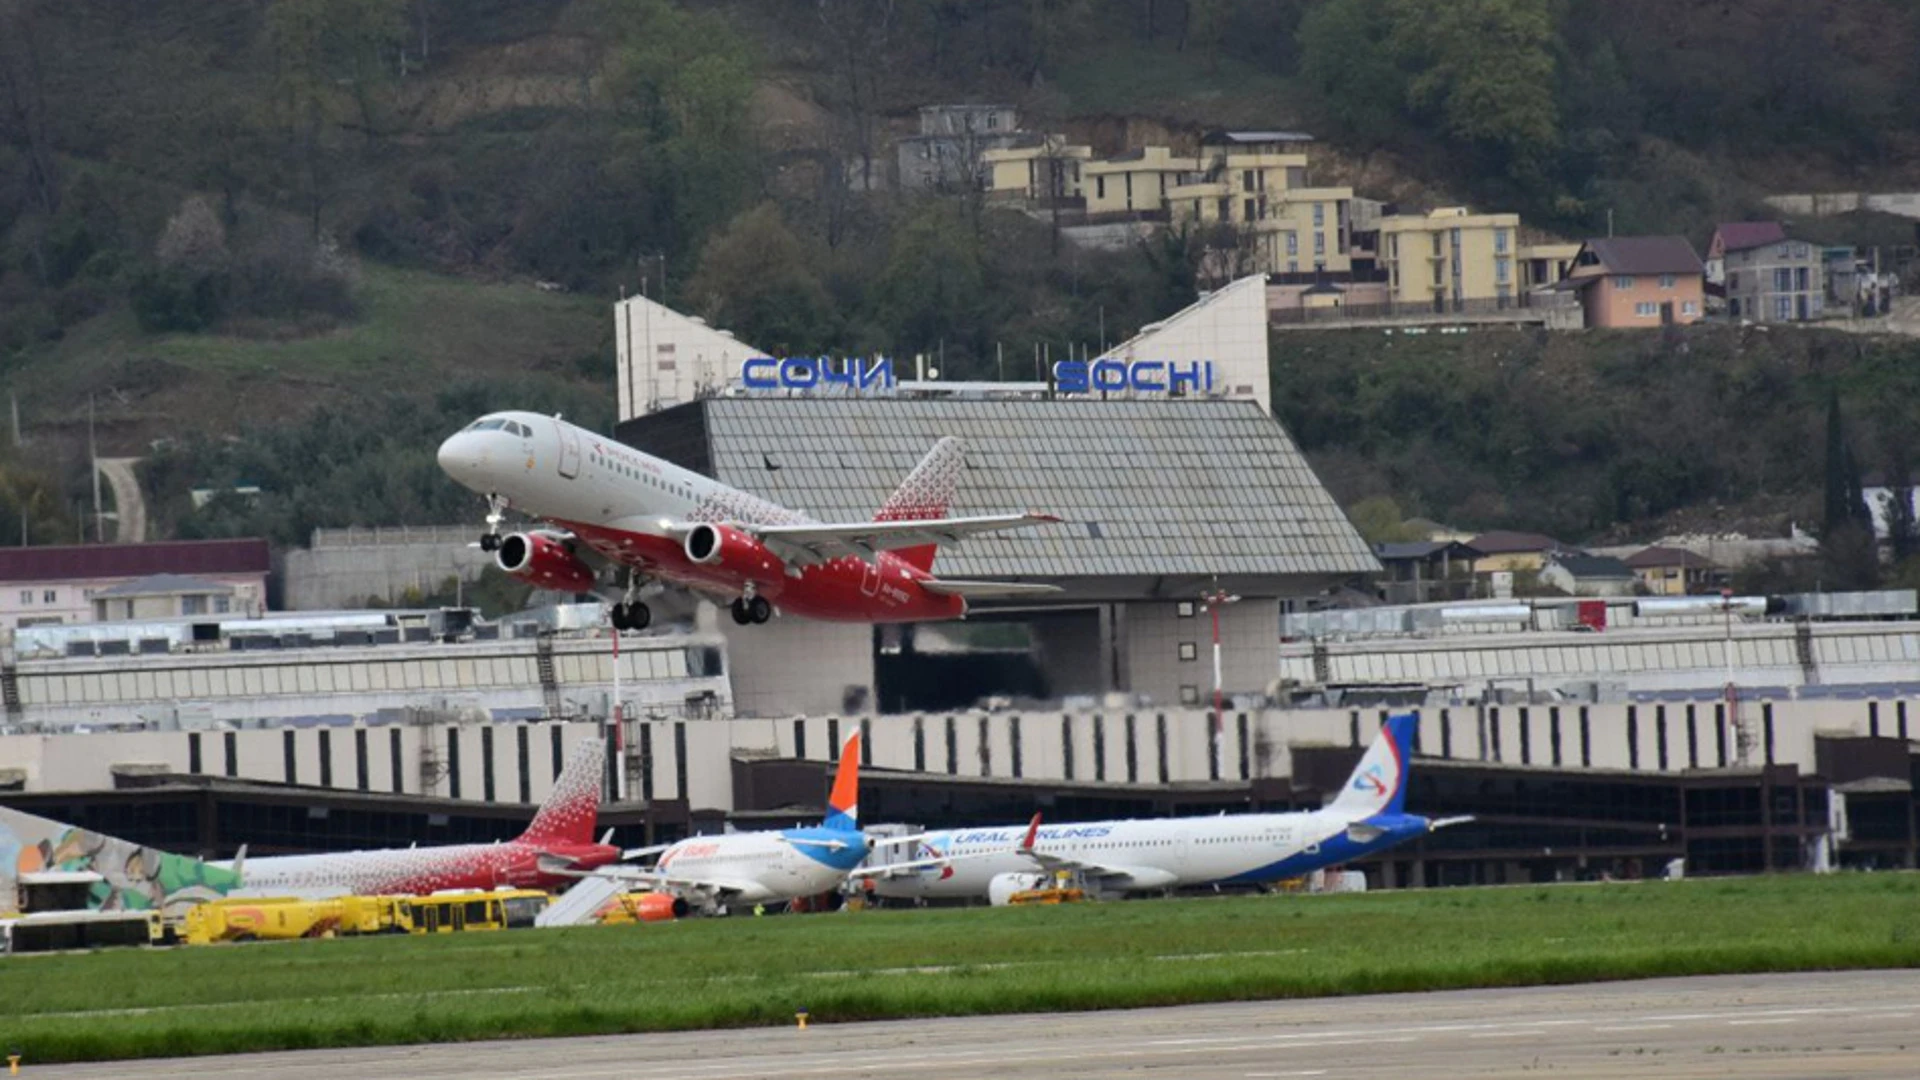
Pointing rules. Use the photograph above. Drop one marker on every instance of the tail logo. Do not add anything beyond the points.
(1372, 781)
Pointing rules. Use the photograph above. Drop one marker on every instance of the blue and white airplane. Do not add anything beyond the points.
(712, 872)
(1112, 858)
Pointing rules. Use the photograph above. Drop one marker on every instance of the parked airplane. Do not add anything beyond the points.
(556, 847)
(713, 872)
(1111, 858)
(656, 522)
(559, 839)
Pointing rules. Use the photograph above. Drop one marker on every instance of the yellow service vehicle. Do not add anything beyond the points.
(453, 912)
(1047, 896)
(266, 919)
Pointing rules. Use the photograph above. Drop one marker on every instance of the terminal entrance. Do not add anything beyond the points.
(992, 658)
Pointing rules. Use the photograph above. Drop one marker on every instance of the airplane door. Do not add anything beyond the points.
(870, 577)
(569, 450)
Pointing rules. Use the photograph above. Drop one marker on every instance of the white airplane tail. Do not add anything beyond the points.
(1379, 783)
(927, 494)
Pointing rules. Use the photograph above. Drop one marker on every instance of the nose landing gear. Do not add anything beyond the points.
(496, 513)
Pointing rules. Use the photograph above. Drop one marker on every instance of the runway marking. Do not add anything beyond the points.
(1633, 1027)
(1776, 1020)
(1504, 1034)
(1296, 1072)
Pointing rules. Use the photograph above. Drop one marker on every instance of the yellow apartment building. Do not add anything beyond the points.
(1545, 264)
(1042, 168)
(1136, 181)
(1449, 257)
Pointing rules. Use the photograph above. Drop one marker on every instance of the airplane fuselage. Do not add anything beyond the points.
(418, 871)
(762, 867)
(1158, 854)
(632, 509)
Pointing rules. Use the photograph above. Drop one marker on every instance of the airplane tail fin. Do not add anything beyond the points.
(1379, 782)
(843, 804)
(926, 495)
(567, 817)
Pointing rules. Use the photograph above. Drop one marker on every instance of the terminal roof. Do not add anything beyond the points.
(1148, 489)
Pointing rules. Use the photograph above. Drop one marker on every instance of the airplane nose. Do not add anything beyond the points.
(459, 455)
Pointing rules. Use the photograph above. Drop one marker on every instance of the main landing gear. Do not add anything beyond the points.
(751, 610)
(496, 513)
(630, 613)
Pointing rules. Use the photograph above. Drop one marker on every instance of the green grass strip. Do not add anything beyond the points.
(897, 964)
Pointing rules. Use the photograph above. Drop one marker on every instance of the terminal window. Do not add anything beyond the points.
(1184, 609)
(1189, 695)
(1189, 651)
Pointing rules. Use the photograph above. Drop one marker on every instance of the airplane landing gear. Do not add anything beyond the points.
(496, 513)
(629, 613)
(751, 610)
(630, 616)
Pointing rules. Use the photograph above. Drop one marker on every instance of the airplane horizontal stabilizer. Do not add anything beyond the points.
(985, 590)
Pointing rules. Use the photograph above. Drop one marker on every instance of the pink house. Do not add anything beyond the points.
(42, 585)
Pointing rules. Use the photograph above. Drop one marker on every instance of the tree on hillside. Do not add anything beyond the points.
(1483, 70)
(330, 65)
(934, 288)
(756, 279)
(1346, 60)
(1844, 503)
(679, 82)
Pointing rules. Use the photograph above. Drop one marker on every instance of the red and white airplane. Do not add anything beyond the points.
(614, 508)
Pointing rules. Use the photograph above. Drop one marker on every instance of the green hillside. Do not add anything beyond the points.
(230, 217)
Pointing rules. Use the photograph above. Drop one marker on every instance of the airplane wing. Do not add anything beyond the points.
(1097, 873)
(809, 544)
(699, 888)
(985, 590)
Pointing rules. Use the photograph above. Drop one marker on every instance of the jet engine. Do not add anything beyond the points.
(1000, 890)
(542, 561)
(725, 548)
(656, 906)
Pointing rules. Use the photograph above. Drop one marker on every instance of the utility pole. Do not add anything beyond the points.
(619, 728)
(93, 458)
(1742, 741)
(1214, 601)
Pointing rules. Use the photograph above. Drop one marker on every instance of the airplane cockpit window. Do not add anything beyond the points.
(518, 429)
(486, 425)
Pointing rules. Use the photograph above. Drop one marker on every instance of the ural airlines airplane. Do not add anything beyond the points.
(1117, 857)
(712, 872)
(610, 505)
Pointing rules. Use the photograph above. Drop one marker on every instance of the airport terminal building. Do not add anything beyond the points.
(1170, 476)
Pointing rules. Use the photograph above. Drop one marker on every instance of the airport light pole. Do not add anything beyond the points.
(1734, 728)
(619, 728)
(1214, 601)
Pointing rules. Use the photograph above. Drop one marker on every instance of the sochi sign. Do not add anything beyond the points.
(1146, 376)
(817, 373)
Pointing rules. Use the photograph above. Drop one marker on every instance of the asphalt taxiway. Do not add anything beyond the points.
(1836, 1026)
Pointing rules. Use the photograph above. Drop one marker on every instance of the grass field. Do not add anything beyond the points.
(869, 965)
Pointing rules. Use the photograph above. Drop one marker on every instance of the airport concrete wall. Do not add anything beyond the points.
(668, 758)
(345, 567)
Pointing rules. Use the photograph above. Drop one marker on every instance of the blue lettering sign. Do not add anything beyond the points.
(1146, 376)
(752, 373)
(816, 372)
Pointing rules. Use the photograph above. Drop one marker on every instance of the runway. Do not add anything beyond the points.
(1835, 1026)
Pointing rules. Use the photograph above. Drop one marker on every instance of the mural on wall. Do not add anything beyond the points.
(133, 878)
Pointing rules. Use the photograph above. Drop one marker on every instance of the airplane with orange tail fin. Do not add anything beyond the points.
(713, 872)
